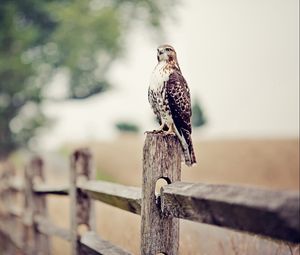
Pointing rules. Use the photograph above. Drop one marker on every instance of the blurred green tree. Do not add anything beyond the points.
(39, 38)
(198, 118)
(127, 127)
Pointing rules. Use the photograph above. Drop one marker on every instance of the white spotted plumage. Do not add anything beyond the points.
(159, 77)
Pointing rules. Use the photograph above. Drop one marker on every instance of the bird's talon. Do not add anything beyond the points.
(154, 132)
(169, 133)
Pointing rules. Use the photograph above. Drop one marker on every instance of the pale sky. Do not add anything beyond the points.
(240, 58)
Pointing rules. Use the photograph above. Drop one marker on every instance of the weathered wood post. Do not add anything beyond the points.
(82, 209)
(161, 159)
(8, 197)
(28, 209)
(36, 205)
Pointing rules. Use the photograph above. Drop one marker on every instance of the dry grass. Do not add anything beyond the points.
(265, 163)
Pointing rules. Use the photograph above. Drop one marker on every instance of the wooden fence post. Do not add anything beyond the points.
(8, 197)
(28, 209)
(82, 208)
(161, 159)
(35, 205)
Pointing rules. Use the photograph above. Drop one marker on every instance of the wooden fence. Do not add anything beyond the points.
(268, 213)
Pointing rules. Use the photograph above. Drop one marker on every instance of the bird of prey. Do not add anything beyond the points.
(169, 97)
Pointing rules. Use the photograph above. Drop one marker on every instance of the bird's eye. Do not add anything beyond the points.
(168, 49)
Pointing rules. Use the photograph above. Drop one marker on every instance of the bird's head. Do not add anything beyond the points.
(166, 53)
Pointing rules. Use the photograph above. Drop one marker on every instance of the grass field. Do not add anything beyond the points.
(272, 164)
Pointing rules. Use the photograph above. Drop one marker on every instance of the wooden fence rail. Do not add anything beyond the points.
(267, 213)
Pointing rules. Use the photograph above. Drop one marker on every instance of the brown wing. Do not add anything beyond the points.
(178, 95)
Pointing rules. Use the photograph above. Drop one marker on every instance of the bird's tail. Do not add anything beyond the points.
(187, 147)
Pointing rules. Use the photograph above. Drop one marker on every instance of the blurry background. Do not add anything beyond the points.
(76, 73)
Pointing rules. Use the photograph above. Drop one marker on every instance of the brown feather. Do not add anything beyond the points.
(178, 95)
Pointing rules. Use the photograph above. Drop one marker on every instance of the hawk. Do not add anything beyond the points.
(169, 97)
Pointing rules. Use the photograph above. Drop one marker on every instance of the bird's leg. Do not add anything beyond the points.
(160, 129)
(171, 130)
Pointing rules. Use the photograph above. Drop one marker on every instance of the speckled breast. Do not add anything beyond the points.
(157, 89)
(161, 104)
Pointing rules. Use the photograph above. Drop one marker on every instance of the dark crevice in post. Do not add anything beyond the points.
(161, 182)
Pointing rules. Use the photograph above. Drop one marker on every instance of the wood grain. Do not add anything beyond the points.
(161, 159)
(92, 244)
(82, 208)
(270, 213)
(121, 196)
